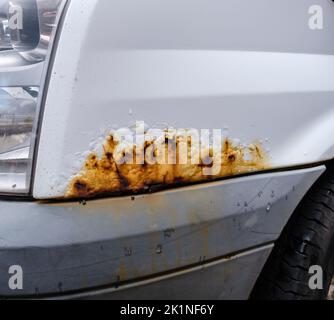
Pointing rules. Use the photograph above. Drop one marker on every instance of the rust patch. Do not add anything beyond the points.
(150, 167)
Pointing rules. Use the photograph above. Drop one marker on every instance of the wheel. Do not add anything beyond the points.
(306, 241)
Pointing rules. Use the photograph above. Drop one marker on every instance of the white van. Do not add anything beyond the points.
(175, 149)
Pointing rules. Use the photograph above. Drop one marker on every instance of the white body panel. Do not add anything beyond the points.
(254, 69)
(69, 246)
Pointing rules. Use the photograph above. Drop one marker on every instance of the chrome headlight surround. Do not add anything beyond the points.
(27, 33)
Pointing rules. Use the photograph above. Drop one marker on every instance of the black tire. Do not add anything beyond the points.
(308, 239)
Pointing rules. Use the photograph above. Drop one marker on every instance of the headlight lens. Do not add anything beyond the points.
(27, 28)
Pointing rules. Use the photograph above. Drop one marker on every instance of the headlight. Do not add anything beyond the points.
(27, 29)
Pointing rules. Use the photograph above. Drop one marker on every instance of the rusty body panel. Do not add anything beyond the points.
(163, 162)
(195, 73)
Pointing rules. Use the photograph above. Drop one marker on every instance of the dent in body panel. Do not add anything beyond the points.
(168, 160)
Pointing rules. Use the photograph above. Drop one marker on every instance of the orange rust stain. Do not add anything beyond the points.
(122, 271)
(105, 175)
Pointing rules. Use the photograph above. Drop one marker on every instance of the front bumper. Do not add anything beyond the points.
(69, 249)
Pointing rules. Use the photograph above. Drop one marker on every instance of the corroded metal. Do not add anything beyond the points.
(134, 169)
